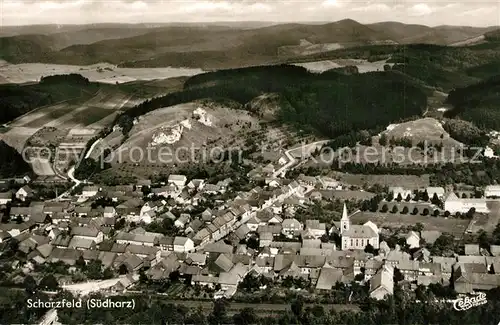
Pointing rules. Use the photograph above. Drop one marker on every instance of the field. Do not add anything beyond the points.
(396, 220)
(103, 72)
(425, 129)
(66, 126)
(363, 65)
(406, 181)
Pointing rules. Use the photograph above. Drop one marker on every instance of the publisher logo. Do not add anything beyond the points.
(470, 302)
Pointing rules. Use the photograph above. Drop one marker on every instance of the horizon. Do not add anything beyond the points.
(263, 22)
(87, 12)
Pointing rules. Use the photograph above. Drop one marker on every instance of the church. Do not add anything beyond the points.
(357, 236)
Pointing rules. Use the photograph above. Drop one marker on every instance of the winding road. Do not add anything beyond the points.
(71, 172)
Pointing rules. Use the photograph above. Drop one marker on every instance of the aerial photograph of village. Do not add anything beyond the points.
(268, 162)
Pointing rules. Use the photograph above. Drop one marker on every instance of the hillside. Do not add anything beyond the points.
(440, 35)
(478, 103)
(330, 104)
(17, 100)
(215, 46)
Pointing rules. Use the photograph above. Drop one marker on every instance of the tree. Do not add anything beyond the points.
(390, 197)
(369, 249)
(464, 195)
(399, 198)
(395, 209)
(435, 200)
(471, 212)
(405, 210)
(80, 263)
(425, 196)
(385, 208)
(29, 284)
(398, 276)
(387, 67)
(246, 317)
(297, 306)
(219, 312)
(483, 239)
(425, 212)
(458, 215)
(383, 140)
(415, 211)
(123, 269)
(418, 227)
(49, 282)
(435, 213)
(408, 198)
(447, 214)
(94, 270)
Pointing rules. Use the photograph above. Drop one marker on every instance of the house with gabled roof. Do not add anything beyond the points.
(24, 193)
(183, 244)
(382, 283)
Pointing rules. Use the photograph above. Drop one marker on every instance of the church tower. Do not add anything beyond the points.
(344, 222)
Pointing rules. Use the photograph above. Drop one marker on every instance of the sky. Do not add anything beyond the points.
(424, 12)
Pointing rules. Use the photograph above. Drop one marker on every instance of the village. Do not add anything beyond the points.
(214, 237)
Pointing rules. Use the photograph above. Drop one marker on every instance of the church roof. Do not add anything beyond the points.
(358, 231)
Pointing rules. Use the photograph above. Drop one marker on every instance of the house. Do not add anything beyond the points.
(328, 277)
(224, 262)
(89, 191)
(328, 183)
(492, 191)
(382, 283)
(202, 237)
(194, 226)
(183, 244)
(472, 249)
(453, 204)
(358, 236)
(24, 193)
(467, 282)
(4, 236)
(196, 184)
(177, 180)
(413, 239)
(166, 243)
(109, 212)
(91, 233)
(291, 227)
(315, 228)
(23, 212)
(183, 219)
(5, 197)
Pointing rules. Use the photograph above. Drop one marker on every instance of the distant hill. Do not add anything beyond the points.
(214, 46)
(441, 35)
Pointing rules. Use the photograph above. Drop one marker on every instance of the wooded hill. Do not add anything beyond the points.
(330, 103)
(17, 100)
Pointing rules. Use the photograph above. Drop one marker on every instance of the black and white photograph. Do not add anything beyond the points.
(250, 162)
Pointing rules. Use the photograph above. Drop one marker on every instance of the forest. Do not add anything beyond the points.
(478, 103)
(17, 100)
(330, 104)
(12, 163)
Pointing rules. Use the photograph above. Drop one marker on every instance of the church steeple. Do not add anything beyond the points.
(344, 222)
